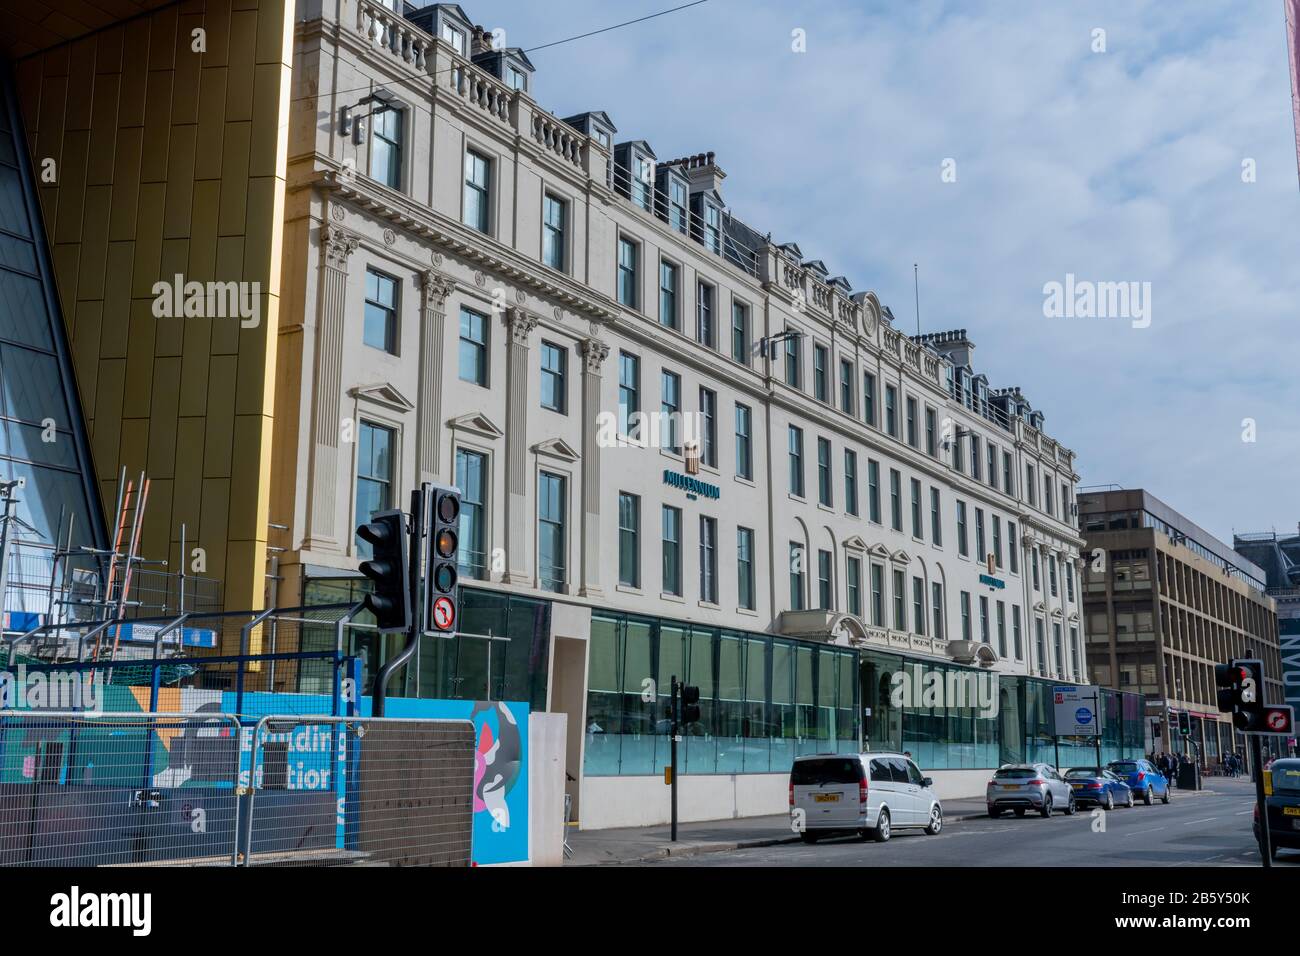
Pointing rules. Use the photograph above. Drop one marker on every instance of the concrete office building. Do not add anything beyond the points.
(1164, 602)
(684, 449)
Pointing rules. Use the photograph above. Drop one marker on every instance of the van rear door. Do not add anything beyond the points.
(826, 788)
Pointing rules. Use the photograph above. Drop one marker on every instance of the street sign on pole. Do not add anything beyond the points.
(1279, 720)
(1075, 711)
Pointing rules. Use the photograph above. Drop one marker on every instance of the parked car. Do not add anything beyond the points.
(1142, 778)
(1029, 786)
(1098, 785)
(871, 794)
(1282, 797)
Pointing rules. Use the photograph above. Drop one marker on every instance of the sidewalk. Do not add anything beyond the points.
(639, 844)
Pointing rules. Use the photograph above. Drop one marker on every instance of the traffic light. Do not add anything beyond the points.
(389, 599)
(690, 712)
(1184, 724)
(441, 593)
(1240, 693)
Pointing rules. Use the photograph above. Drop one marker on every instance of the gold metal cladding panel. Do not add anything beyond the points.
(171, 160)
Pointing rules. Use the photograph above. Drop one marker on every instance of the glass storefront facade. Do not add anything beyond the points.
(764, 700)
(501, 653)
(946, 716)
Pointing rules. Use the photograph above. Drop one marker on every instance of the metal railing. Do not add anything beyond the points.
(726, 240)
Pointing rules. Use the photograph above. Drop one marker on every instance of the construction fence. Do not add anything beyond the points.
(207, 789)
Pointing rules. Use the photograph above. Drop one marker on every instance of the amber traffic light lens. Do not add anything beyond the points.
(446, 543)
(444, 578)
(448, 508)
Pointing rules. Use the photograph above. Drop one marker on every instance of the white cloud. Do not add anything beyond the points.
(1124, 165)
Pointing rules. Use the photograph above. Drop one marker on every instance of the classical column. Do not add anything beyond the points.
(336, 246)
(434, 290)
(519, 325)
(594, 353)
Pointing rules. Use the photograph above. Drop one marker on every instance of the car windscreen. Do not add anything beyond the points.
(1286, 779)
(1127, 767)
(1083, 772)
(1015, 773)
(817, 773)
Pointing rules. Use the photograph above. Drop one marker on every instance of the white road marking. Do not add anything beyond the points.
(1194, 822)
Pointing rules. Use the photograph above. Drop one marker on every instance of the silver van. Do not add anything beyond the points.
(872, 794)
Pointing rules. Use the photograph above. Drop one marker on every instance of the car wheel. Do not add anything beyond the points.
(1110, 800)
(1146, 798)
(1020, 811)
(1047, 807)
(1129, 804)
(808, 837)
(1165, 798)
(936, 820)
(881, 833)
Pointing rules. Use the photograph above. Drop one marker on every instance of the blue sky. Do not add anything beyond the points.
(1123, 165)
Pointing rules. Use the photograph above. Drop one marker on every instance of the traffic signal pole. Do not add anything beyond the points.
(414, 537)
(673, 771)
(1261, 803)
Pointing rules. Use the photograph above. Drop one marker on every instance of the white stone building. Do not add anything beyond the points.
(478, 293)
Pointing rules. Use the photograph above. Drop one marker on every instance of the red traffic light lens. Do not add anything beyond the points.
(444, 578)
(446, 543)
(448, 508)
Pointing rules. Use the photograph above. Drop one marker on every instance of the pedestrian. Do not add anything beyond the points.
(1169, 767)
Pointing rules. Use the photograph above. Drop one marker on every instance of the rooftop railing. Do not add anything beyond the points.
(723, 240)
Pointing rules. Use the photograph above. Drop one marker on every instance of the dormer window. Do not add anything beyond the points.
(672, 200)
(643, 176)
(634, 176)
(708, 215)
(677, 215)
(454, 37)
(516, 79)
(713, 228)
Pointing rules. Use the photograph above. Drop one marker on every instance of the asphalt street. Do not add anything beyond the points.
(1210, 828)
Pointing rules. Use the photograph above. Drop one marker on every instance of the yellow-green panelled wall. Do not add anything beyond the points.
(171, 161)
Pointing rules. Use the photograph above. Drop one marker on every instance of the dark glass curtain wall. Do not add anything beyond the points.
(42, 435)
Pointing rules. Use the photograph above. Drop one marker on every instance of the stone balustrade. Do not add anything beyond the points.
(388, 30)
(560, 138)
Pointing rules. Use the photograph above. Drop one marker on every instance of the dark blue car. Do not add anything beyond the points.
(1143, 779)
(1102, 787)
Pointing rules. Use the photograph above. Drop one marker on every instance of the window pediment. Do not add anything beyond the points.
(384, 394)
(556, 448)
(478, 423)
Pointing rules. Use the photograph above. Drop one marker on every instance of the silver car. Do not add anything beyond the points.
(1029, 786)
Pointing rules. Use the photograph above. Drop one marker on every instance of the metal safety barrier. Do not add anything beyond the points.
(80, 788)
(348, 791)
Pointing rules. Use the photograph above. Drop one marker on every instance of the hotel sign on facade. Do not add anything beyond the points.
(693, 487)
